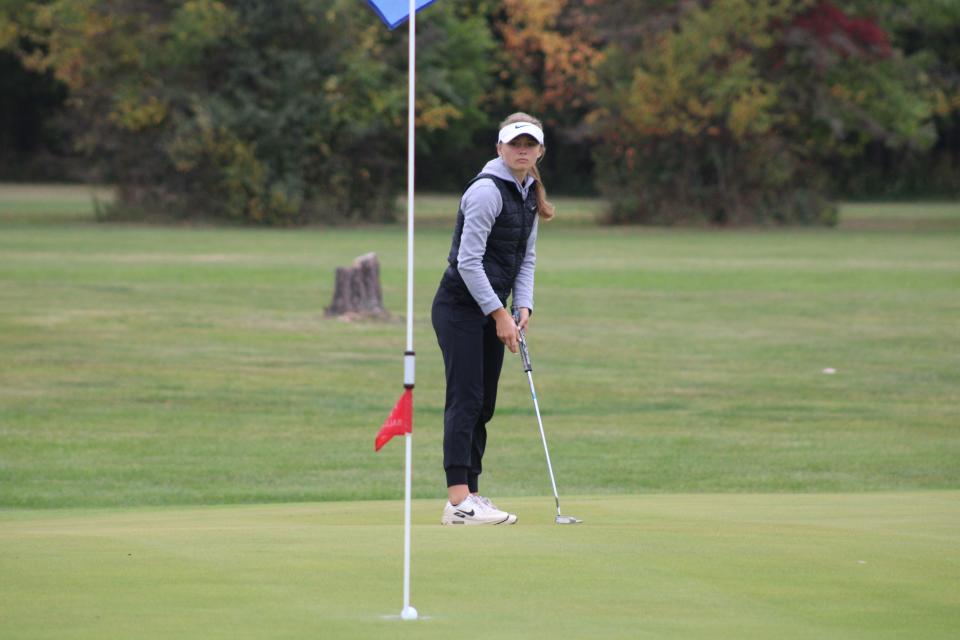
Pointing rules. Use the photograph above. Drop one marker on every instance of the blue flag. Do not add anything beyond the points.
(394, 12)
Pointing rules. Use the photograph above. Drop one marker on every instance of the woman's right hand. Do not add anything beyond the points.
(507, 329)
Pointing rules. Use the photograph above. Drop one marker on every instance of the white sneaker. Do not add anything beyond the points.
(487, 503)
(472, 511)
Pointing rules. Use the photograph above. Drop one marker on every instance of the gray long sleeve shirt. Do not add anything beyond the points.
(481, 204)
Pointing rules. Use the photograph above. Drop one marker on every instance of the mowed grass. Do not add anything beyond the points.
(155, 377)
(51, 204)
(178, 365)
(705, 566)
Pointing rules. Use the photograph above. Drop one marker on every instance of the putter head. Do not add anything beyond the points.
(568, 520)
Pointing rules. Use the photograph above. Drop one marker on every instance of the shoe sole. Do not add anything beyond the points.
(480, 524)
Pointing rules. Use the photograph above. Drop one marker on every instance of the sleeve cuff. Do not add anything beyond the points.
(490, 307)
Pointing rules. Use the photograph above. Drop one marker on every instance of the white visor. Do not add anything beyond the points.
(511, 131)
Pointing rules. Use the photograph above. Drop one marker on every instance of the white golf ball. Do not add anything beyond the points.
(409, 613)
(829, 371)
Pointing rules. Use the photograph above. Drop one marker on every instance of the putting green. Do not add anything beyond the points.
(660, 566)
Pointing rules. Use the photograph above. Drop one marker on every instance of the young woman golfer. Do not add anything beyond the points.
(493, 254)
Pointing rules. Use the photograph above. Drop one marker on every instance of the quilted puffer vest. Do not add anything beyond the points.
(506, 244)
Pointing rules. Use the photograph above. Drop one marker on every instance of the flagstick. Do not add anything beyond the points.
(408, 612)
(409, 359)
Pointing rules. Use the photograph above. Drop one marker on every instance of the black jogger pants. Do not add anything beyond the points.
(472, 358)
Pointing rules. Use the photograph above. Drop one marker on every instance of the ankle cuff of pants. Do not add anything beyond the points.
(473, 482)
(457, 475)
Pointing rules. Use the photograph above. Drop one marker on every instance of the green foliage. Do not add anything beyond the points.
(728, 111)
(456, 57)
(928, 33)
(723, 111)
(10, 16)
(264, 113)
(703, 78)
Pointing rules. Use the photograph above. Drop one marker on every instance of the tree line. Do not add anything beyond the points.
(286, 112)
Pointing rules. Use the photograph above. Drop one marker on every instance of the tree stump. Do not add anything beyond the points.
(357, 292)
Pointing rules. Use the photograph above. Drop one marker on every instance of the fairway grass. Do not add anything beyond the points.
(665, 566)
(149, 365)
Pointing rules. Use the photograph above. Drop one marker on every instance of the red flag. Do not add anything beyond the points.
(399, 422)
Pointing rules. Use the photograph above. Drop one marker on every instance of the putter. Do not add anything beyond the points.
(525, 357)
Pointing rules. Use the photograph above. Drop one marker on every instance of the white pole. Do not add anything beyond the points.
(408, 612)
(410, 167)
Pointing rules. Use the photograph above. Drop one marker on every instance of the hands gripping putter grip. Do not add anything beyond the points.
(525, 357)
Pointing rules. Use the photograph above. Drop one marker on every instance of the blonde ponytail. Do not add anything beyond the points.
(544, 206)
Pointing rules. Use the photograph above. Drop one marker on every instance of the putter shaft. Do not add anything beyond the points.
(528, 368)
(543, 435)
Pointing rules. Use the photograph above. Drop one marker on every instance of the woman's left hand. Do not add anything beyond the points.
(524, 318)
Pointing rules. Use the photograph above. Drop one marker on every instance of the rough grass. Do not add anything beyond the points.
(176, 365)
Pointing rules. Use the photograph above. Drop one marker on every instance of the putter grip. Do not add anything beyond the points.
(524, 354)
